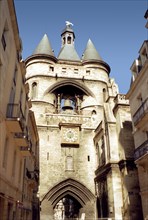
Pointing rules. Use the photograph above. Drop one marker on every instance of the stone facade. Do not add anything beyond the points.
(19, 153)
(138, 97)
(87, 168)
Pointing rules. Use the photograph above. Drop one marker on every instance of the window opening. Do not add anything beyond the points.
(87, 72)
(34, 90)
(104, 95)
(69, 40)
(3, 38)
(63, 40)
(69, 163)
(51, 68)
(5, 155)
(63, 70)
(76, 71)
(14, 164)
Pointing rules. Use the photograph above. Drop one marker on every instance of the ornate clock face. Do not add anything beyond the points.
(70, 135)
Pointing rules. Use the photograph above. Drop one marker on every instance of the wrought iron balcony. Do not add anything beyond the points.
(141, 115)
(15, 119)
(141, 151)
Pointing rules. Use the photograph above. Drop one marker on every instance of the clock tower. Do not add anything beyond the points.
(79, 115)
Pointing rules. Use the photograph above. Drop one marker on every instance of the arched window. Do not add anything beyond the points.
(69, 40)
(34, 90)
(63, 40)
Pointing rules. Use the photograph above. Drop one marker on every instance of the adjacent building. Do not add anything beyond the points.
(87, 168)
(19, 153)
(138, 98)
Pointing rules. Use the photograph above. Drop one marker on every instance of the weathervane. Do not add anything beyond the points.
(68, 23)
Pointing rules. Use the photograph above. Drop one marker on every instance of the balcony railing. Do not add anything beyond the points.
(25, 151)
(21, 139)
(141, 151)
(15, 118)
(141, 112)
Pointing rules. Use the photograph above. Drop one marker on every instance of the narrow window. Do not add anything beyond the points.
(88, 158)
(5, 155)
(20, 172)
(13, 88)
(14, 164)
(4, 37)
(34, 90)
(12, 95)
(15, 76)
(21, 97)
(104, 95)
(63, 40)
(69, 163)
(76, 71)
(3, 40)
(47, 155)
(88, 72)
(63, 70)
(69, 40)
(51, 68)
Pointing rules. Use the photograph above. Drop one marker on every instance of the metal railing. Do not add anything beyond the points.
(141, 150)
(140, 112)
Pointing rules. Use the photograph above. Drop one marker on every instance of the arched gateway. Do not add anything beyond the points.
(68, 199)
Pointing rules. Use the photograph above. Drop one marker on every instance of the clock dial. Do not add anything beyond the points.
(70, 135)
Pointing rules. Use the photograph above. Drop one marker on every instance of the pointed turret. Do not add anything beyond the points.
(90, 52)
(68, 51)
(92, 57)
(44, 47)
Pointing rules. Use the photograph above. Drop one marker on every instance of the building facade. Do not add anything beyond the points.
(19, 155)
(87, 168)
(138, 98)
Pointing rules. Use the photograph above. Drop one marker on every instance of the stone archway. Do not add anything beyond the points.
(73, 83)
(72, 191)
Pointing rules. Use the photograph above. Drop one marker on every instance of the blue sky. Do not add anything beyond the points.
(116, 27)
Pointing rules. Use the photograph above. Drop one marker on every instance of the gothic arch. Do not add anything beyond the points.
(69, 82)
(69, 187)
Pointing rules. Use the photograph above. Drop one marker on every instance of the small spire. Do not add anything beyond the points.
(90, 52)
(44, 47)
(68, 51)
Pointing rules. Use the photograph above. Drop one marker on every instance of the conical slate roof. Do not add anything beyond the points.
(68, 52)
(44, 47)
(90, 52)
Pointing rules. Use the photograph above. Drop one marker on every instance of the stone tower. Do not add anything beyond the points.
(79, 116)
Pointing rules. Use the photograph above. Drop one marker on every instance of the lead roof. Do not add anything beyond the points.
(44, 47)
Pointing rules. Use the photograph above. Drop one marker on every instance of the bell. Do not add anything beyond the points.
(67, 104)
